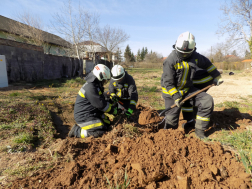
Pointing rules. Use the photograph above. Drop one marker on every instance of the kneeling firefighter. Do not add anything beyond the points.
(90, 105)
(122, 87)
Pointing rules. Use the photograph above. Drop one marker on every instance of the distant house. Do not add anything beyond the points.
(52, 44)
(231, 58)
(94, 51)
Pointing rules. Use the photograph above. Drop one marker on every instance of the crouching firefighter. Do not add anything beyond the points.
(122, 87)
(90, 105)
(177, 83)
(201, 80)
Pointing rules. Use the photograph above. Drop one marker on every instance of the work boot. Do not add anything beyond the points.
(73, 130)
(188, 125)
(200, 133)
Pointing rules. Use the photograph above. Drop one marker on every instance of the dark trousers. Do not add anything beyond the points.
(203, 101)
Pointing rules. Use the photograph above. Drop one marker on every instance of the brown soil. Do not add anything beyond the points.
(148, 116)
(152, 157)
(157, 159)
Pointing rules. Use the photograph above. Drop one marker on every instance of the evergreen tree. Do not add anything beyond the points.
(142, 54)
(132, 58)
(119, 55)
(145, 51)
(127, 54)
(138, 58)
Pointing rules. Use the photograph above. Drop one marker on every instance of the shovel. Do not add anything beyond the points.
(183, 101)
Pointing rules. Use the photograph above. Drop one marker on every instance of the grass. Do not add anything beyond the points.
(124, 185)
(242, 142)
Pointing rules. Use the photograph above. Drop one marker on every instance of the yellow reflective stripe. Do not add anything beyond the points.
(133, 102)
(82, 133)
(178, 66)
(113, 94)
(211, 68)
(119, 93)
(109, 108)
(173, 91)
(203, 118)
(187, 109)
(92, 126)
(81, 94)
(164, 90)
(204, 80)
(100, 92)
(126, 85)
(185, 74)
(114, 83)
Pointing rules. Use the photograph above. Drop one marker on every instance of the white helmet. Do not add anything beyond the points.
(117, 72)
(185, 45)
(101, 72)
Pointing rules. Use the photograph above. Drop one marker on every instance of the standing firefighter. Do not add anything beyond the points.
(177, 83)
(90, 105)
(122, 87)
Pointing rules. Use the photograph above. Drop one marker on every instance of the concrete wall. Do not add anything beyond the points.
(29, 63)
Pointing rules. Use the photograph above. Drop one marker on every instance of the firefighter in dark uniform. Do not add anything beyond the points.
(122, 87)
(90, 105)
(177, 83)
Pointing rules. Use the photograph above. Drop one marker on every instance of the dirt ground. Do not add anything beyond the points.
(156, 159)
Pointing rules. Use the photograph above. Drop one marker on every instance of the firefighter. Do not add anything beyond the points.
(122, 87)
(177, 83)
(90, 105)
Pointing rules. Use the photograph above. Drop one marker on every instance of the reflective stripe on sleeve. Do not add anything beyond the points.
(173, 91)
(81, 94)
(204, 80)
(107, 108)
(187, 109)
(133, 102)
(211, 68)
(203, 118)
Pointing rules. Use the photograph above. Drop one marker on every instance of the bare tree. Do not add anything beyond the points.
(237, 21)
(75, 25)
(29, 28)
(111, 38)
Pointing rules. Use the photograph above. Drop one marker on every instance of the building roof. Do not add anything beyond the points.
(90, 46)
(247, 60)
(6, 23)
(89, 43)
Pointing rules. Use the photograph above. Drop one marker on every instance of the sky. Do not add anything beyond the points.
(155, 24)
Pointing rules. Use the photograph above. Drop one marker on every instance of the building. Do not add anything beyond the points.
(15, 31)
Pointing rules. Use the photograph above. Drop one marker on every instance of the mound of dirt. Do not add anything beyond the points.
(158, 160)
(148, 116)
